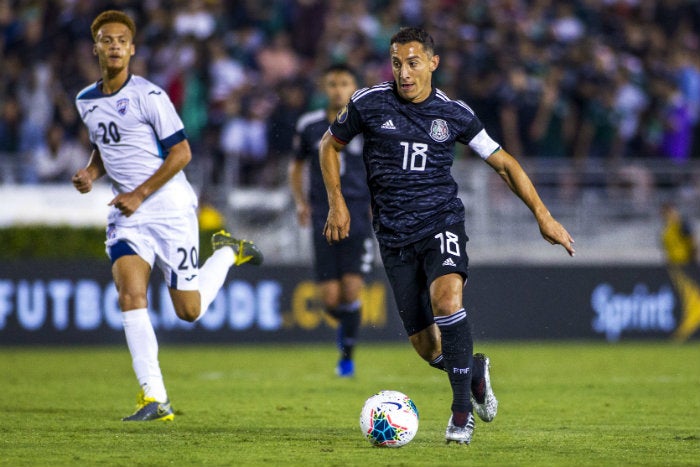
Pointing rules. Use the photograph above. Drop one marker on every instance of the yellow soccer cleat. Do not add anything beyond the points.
(149, 409)
(244, 251)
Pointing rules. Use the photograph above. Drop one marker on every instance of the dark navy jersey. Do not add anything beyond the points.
(408, 154)
(353, 178)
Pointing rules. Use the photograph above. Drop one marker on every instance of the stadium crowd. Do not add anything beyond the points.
(585, 81)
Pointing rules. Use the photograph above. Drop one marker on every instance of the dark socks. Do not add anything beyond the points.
(348, 316)
(457, 349)
(439, 363)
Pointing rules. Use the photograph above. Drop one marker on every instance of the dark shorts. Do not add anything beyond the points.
(412, 268)
(354, 255)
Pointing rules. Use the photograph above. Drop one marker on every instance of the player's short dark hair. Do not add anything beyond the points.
(112, 16)
(340, 68)
(412, 34)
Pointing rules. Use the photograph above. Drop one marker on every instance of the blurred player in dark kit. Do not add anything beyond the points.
(339, 267)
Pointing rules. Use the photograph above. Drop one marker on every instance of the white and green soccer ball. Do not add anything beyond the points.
(389, 418)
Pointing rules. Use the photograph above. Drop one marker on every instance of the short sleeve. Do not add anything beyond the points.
(347, 124)
(162, 116)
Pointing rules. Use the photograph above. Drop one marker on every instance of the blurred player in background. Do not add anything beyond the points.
(139, 142)
(410, 131)
(339, 268)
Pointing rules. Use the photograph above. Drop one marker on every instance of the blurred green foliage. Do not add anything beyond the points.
(64, 242)
(51, 242)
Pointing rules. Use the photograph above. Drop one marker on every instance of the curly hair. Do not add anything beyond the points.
(412, 34)
(112, 16)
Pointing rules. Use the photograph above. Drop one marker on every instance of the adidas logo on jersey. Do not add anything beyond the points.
(449, 262)
(388, 125)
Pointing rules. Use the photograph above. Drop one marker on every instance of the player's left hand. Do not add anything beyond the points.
(127, 203)
(556, 234)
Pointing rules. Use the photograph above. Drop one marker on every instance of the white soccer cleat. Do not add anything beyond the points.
(483, 398)
(460, 434)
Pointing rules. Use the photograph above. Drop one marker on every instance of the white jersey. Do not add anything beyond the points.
(133, 129)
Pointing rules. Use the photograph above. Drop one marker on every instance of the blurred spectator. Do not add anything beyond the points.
(307, 27)
(226, 74)
(277, 60)
(194, 19)
(630, 102)
(58, 157)
(36, 102)
(576, 81)
(10, 122)
(282, 122)
(551, 130)
(244, 142)
(676, 121)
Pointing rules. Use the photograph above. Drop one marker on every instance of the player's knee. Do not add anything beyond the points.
(188, 312)
(446, 307)
(132, 300)
(330, 301)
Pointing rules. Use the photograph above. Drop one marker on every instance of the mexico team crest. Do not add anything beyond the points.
(439, 130)
(122, 104)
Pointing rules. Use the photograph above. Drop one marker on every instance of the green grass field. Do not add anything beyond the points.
(560, 404)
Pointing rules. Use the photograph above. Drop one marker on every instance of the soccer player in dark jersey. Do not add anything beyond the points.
(340, 267)
(410, 130)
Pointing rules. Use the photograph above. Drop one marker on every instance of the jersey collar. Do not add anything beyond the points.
(428, 100)
(99, 86)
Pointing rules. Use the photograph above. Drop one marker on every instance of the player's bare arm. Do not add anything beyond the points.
(296, 183)
(178, 157)
(338, 223)
(83, 178)
(515, 177)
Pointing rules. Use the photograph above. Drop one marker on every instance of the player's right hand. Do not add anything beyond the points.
(82, 181)
(337, 226)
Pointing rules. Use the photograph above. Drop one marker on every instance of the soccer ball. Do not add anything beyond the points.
(389, 418)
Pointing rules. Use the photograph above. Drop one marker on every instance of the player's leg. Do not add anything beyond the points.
(412, 301)
(349, 316)
(131, 274)
(445, 262)
(354, 257)
(330, 293)
(340, 300)
(191, 305)
(428, 345)
(227, 251)
(328, 274)
(457, 345)
(191, 288)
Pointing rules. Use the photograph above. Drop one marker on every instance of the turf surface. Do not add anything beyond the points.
(579, 404)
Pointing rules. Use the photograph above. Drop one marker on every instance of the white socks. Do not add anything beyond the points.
(143, 347)
(212, 275)
(141, 338)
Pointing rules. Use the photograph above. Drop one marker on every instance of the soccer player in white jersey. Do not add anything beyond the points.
(139, 142)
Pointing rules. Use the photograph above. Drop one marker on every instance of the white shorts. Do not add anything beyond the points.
(171, 243)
